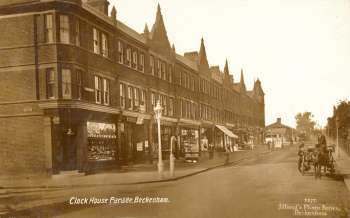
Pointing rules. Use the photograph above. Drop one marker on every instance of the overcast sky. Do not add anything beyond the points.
(299, 49)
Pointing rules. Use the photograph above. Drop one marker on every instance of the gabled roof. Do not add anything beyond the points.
(278, 125)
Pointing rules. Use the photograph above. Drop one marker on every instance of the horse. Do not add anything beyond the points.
(320, 158)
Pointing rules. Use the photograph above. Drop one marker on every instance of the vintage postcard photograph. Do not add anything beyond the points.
(175, 108)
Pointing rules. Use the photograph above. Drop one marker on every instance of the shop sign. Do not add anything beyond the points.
(103, 130)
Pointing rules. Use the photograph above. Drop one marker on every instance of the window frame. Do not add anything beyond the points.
(104, 45)
(50, 83)
(98, 89)
(49, 35)
(66, 83)
(96, 41)
(106, 91)
(64, 28)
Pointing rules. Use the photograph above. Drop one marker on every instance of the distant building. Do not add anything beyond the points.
(78, 88)
(279, 134)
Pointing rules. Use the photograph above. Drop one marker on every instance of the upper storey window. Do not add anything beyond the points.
(120, 52)
(151, 63)
(104, 45)
(77, 32)
(96, 36)
(49, 28)
(142, 62)
(64, 29)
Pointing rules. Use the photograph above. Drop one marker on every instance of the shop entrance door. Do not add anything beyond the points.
(69, 160)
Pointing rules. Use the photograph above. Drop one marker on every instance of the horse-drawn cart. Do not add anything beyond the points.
(315, 157)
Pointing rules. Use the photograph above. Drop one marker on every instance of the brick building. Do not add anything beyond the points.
(78, 89)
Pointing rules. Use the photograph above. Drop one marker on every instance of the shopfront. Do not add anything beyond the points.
(166, 131)
(134, 140)
(101, 144)
(189, 141)
(206, 138)
(225, 138)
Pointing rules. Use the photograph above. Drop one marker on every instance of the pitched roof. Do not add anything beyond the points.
(132, 33)
(187, 62)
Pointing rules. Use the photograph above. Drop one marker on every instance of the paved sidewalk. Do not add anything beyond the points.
(22, 194)
(343, 166)
(145, 173)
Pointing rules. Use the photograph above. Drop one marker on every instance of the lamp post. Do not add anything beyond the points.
(337, 128)
(158, 114)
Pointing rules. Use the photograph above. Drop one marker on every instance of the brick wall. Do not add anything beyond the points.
(22, 149)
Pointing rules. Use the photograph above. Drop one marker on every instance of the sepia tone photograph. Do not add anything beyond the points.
(175, 109)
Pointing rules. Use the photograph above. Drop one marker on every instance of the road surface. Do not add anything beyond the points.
(268, 186)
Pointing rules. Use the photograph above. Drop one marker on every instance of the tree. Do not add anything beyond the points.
(305, 124)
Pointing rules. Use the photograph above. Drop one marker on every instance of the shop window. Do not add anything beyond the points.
(136, 97)
(122, 95)
(98, 89)
(130, 94)
(142, 62)
(64, 29)
(128, 56)
(66, 84)
(49, 28)
(96, 41)
(106, 91)
(78, 84)
(134, 59)
(151, 63)
(120, 52)
(104, 46)
(101, 142)
(50, 83)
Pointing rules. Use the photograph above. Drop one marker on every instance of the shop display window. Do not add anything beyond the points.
(101, 141)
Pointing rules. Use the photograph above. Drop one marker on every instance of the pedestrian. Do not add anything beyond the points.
(211, 151)
(227, 156)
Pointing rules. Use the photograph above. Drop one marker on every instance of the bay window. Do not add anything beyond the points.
(50, 83)
(66, 84)
(64, 29)
(49, 28)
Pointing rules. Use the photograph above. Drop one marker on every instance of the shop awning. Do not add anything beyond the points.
(227, 131)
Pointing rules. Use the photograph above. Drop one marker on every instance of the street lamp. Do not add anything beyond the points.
(337, 128)
(158, 114)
